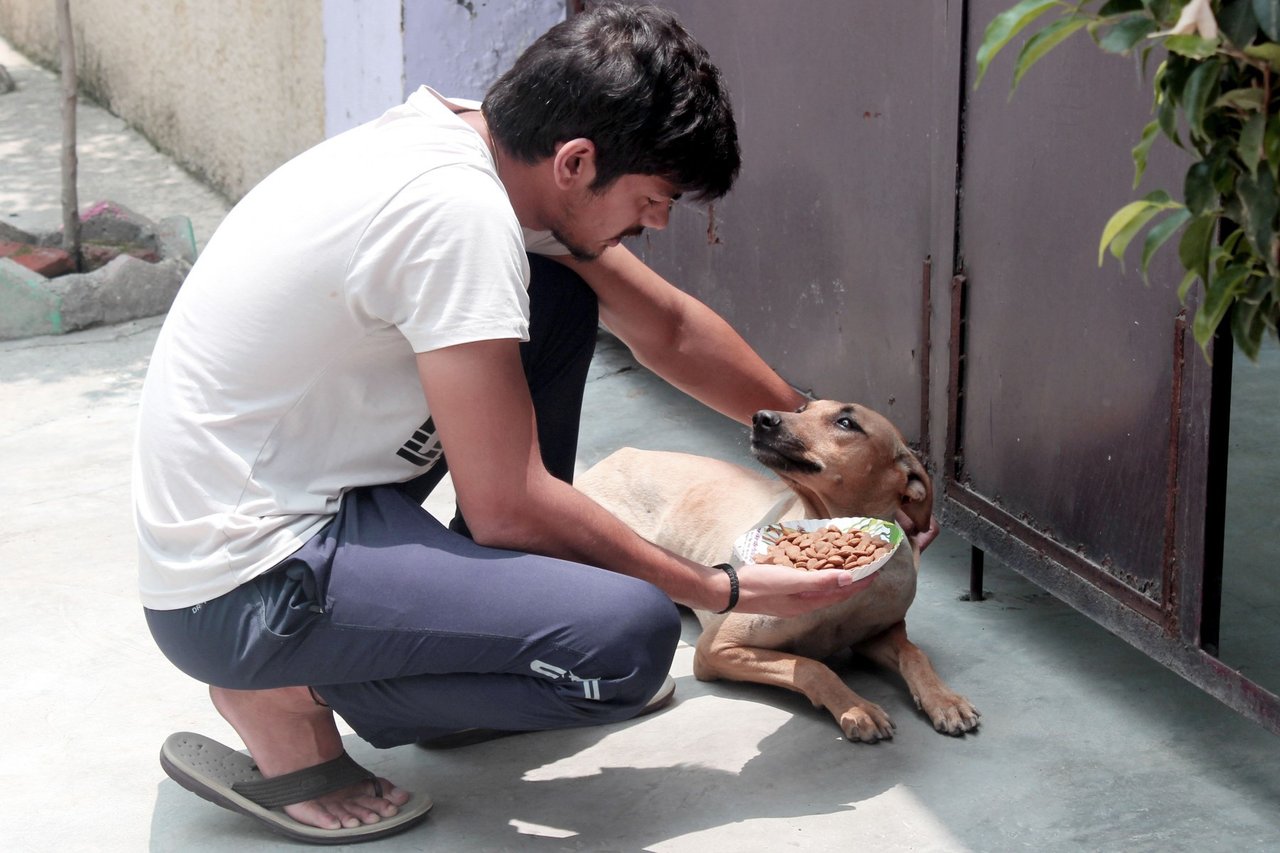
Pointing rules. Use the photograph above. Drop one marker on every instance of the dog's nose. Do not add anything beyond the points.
(766, 420)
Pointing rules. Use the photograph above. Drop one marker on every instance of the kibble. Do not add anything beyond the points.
(825, 548)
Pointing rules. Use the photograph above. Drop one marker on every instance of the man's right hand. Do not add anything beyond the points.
(783, 591)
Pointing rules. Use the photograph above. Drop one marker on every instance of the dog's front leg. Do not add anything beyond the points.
(718, 657)
(950, 712)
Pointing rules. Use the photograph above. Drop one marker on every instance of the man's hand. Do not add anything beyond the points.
(783, 591)
(920, 539)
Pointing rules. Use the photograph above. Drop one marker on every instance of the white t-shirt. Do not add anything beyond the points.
(285, 372)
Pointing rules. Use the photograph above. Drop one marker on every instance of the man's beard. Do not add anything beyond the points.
(578, 253)
(582, 254)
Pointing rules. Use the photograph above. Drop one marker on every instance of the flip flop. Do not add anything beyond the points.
(469, 737)
(230, 779)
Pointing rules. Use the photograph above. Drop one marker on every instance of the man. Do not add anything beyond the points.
(365, 310)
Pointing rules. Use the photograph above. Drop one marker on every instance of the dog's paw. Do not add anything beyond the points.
(952, 714)
(866, 722)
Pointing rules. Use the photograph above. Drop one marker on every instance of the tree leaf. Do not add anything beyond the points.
(1268, 51)
(1004, 27)
(1125, 33)
(1237, 22)
(1142, 150)
(1043, 42)
(1193, 248)
(1219, 294)
(1245, 98)
(1268, 14)
(1251, 136)
(1197, 188)
(1194, 47)
(1167, 118)
(1119, 7)
(1258, 194)
(1251, 316)
(1271, 144)
(1200, 88)
(1185, 286)
(1127, 221)
(1160, 234)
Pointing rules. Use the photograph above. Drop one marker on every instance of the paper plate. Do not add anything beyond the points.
(756, 542)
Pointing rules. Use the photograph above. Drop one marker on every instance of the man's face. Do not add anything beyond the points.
(590, 222)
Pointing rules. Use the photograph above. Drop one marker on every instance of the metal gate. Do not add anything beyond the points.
(900, 239)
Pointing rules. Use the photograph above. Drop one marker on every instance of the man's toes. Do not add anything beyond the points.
(379, 806)
(392, 794)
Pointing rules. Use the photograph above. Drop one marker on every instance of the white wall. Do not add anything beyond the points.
(379, 51)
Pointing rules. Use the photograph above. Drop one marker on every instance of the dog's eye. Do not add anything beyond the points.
(847, 423)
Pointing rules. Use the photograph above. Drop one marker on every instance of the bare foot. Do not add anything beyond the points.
(285, 730)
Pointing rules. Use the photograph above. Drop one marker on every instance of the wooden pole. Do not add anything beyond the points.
(70, 199)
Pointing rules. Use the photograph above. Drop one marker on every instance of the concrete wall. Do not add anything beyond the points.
(233, 88)
(230, 88)
(378, 51)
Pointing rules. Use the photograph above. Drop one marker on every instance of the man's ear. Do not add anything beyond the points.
(574, 163)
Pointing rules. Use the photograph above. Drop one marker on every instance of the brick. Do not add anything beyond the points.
(45, 260)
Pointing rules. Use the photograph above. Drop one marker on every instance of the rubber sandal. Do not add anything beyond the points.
(230, 779)
(469, 737)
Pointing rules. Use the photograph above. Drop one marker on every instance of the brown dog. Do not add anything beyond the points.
(833, 460)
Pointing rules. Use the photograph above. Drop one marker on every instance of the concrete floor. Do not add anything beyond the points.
(1085, 744)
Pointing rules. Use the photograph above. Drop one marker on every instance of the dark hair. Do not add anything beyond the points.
(632, 80)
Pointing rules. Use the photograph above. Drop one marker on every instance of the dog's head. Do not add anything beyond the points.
(843, 459)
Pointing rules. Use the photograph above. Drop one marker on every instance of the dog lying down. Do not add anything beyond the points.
(832, 460)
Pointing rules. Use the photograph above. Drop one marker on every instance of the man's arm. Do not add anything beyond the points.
(681, 339)
(479, 400)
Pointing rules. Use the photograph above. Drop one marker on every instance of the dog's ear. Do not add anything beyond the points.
(917, 493)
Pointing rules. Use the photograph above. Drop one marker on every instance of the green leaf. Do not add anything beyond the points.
(1192, 46)
(1247, 328)
(1159, 9)
(1197, 188)
(1119, 7)
(1237, 22)
(1185, 286)
(1125, 33)
(1043, 42)
(1246, 98)
(1200, 88)
(1252, 315)
(1271, 143)
(1167, 117)
(1219, 294)
(1142, 150)
(1258, 193)
(1160, 234)
(1251, 136)
(1004, 27)
(1268, 51)
(1128, 220)
(1268, 14)
(1193, 248)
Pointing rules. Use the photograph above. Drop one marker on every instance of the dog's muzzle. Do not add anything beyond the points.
(775, 447)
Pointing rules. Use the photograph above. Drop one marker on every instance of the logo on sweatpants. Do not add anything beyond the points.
(590, 686)
(423, 447)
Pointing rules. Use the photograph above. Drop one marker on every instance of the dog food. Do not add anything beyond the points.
(826, 548)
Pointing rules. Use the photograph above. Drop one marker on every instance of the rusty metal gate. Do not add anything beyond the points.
(901, 239)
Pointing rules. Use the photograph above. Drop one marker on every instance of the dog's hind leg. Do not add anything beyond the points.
(950, 712)
(858, 719)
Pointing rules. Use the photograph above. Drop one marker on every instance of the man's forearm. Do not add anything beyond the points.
(712, 363)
